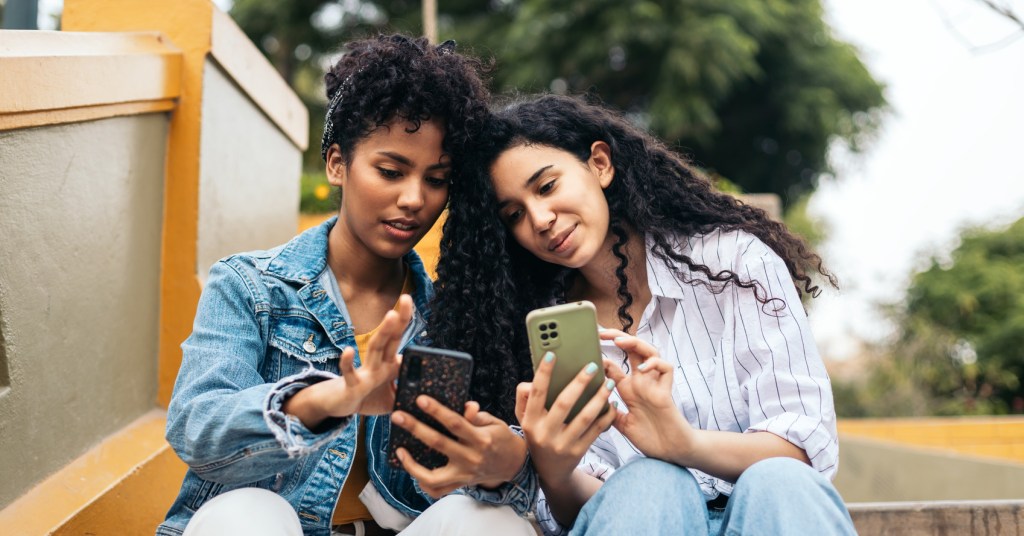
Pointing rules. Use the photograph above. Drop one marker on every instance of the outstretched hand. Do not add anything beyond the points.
(367, 390)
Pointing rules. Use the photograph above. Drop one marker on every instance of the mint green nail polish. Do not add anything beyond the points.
(549, 357)
(610, 384)
(641, 366)
(591, 368)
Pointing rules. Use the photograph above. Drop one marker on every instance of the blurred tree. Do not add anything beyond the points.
(960, 343)
(753, 90)
(1004, 10)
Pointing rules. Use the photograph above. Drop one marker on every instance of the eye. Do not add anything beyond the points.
(546, 187)
(512, 216)
(438, 182)
(389, 173)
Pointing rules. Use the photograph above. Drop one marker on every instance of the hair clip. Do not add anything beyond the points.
(446, 48)
(328, 137)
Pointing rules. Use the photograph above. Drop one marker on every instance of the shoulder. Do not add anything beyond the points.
(720, 249)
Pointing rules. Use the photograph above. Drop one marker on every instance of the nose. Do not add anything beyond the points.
(411, 196)
(541, 217)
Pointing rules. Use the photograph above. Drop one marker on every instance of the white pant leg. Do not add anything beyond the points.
(248, 511)
(458, 515)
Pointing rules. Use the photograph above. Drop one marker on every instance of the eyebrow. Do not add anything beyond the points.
(526, 185)
(406, 162)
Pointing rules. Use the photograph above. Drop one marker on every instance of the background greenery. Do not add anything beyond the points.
(753, 90)
(756, 92)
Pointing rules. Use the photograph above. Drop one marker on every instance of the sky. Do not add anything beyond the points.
(949, 153)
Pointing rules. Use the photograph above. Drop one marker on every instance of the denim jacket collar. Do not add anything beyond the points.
(304, 258)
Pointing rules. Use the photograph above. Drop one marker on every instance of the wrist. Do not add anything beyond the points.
(517, 461)
(307, 405)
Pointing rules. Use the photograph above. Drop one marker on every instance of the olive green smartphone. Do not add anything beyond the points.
(570, 332)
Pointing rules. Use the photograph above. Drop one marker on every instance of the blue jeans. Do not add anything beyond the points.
(777, 496)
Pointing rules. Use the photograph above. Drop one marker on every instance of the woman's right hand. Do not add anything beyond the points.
(556, 447)
(367, 390)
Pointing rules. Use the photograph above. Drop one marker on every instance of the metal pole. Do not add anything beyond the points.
(430, 20)
(21, 15)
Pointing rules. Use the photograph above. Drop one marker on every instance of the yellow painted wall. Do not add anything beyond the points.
(993, 437)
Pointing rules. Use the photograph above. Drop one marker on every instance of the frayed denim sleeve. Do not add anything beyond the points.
(221, 420)
(295, 438)
(520, 492)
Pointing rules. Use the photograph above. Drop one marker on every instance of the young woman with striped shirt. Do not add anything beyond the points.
(725, 420)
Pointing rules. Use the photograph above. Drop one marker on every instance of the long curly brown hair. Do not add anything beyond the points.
(487, 282)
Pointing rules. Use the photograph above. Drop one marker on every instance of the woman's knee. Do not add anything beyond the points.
(461, 515)
(659, 481)
(781, 472)
(251, 511)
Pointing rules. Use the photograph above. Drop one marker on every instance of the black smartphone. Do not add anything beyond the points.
(443, 375)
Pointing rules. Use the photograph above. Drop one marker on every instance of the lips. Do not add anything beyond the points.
(561, 240)
(401, 228)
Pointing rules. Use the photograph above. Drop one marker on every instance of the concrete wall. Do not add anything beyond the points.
(877, 471)
(80, 228)
(251, 199)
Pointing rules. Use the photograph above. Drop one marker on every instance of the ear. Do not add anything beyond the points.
(600, 163)
(336, 169)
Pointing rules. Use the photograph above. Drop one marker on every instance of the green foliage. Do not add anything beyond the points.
(755, 90)
(316, 195)
(960, 346)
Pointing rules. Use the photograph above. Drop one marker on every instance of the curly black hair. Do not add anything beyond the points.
(487, 282)
(398, 77)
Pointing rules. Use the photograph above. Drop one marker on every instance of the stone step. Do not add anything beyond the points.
(953, 518)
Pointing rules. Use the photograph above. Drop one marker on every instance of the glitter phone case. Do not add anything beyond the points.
(570, 332)
(444, 375)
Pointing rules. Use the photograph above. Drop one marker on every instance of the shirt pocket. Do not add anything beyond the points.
(299, 343)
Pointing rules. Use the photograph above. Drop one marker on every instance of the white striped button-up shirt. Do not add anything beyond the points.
(740, 365)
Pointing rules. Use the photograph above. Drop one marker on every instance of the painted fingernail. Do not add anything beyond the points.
(549, 357)
(610, 384)
(591, 368)
(620, 339)
(641, 366)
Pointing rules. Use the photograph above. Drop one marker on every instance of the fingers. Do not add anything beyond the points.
(346, 364)
(572, 392)
(589, 414)
(471, 410)
(455, 423)
(613, 370)
(435, 482)
(539, 386)
(429, 436)
(384, 343)
(522, 396)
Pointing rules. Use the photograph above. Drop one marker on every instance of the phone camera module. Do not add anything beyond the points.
(554, 334)
(543, 327)
(544, 336)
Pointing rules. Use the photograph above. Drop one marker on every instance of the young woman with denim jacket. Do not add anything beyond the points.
(279, 406)
(725, 422)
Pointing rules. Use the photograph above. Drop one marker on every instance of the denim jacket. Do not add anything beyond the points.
(264, 329)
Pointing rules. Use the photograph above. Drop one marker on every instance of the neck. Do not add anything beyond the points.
(598, 282)
(358, 272)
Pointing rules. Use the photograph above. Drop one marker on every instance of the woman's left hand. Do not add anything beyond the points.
(654, 424)
(485, 452)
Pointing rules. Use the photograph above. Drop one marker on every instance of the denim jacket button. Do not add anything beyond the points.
(342, 455)
(309, 346)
